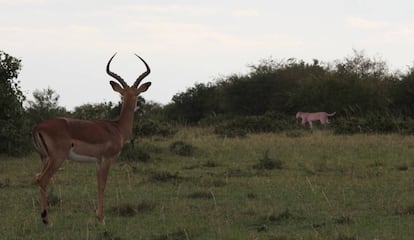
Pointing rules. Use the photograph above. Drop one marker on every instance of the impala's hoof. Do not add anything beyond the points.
(100, 220)
(45, 219)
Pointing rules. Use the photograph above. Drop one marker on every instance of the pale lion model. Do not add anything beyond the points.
(310, 117)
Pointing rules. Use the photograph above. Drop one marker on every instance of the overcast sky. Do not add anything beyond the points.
(65, 45)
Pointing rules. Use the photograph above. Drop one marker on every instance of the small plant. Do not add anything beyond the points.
(146, 206)
(177, 235)
(266, 163)
(281, 217)
(200, 195)
(402, 167)
(124, 210)
(237, 172)
(182, 148)
(251, 196)
(218, 183)
(164, 176)
(274, 219)
(230, 132)
(210, 164)
(405, 211)
(52, 198)
(344, 220)
(107, 235)
(345, 237)
(5, 183)
(294, 134)
(129, 210)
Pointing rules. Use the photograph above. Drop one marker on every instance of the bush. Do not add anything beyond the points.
(200, 195)
(226, 130)
(149, 128)
(375, 123)
(164, 176)
(348, 126)
(133, 153)
(182, 148)
(240, 126)
(266, 163)
(15, 129)
(130, 210)
(295, 134)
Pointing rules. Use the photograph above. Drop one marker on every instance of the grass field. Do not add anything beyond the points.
(298, 185)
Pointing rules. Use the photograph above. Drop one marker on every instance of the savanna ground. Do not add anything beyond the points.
(295, 185)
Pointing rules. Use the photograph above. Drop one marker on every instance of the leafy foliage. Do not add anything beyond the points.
(240, 126)
(367, 97)
(104, 110)
(132, 153)
(365, 94)
(147, 127)
(44, 106)
(14, 129)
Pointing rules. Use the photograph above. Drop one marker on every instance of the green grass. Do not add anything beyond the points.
(266, 186)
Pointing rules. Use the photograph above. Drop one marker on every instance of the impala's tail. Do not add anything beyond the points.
(331, 114)
(39, 143)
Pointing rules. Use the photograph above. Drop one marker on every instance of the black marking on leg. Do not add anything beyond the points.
(44, 214)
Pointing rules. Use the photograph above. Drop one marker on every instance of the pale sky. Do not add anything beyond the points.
(65, 45)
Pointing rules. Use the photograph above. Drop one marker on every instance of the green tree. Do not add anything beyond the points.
(97, 111)
(14, 131)
(196, 103)
(44, 106)
(364, 83)
(403, 93)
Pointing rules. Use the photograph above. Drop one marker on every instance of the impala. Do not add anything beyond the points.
(97, 141)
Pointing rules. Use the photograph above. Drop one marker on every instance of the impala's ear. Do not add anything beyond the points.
(116, 87)
(144, 87)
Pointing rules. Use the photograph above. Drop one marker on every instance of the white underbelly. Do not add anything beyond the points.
(81, 158)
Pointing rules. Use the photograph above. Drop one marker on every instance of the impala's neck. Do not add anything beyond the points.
(126, 118)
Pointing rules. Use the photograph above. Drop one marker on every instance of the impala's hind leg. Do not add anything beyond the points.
(49, 168)
(43, 161)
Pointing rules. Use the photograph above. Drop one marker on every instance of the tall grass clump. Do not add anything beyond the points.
(267, 163)
(134, 153)
(373, 122)
(242, 125)
(182, 148)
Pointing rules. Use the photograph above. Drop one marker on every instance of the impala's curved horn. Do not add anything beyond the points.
(114, 75)
(142, 76)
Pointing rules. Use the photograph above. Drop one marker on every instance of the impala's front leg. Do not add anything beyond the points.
(102, 170)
